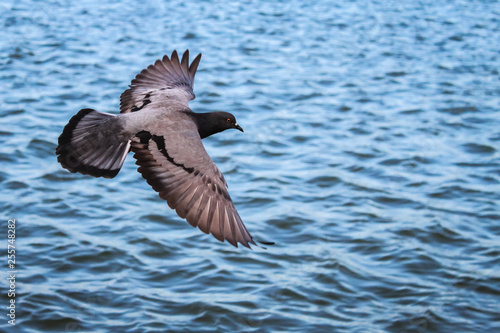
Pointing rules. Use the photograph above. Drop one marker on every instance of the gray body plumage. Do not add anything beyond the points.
(158, 126)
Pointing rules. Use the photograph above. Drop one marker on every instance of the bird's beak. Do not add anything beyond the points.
(238, 127)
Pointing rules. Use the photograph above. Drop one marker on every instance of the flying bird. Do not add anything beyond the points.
(157, 125)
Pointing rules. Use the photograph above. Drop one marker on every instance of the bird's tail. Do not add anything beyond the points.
(92, 145)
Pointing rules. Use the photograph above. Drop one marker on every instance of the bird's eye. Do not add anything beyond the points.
(228, 120)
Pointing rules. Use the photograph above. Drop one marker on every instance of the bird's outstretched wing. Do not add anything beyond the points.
(174, 162)
(172, 74)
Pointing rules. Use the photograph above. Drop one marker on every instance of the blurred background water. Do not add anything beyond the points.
(370, 156)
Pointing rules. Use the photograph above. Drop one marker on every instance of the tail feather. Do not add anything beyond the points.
(90, 144)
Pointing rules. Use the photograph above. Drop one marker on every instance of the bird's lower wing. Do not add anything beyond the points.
(198, 195)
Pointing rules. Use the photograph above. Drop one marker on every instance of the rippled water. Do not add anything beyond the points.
(370, 156)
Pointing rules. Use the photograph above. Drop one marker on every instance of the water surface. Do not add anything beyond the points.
(370, 156)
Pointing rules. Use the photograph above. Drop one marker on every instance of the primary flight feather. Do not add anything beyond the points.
(164, 134)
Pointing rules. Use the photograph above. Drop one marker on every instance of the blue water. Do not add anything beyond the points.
(370, 156)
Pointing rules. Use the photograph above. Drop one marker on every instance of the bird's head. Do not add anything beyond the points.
(215, 122)
(227, 120)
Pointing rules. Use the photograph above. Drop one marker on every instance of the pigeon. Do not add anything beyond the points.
(157, 125)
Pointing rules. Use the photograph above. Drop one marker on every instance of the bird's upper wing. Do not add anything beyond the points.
(164, 74)
(174, 162)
